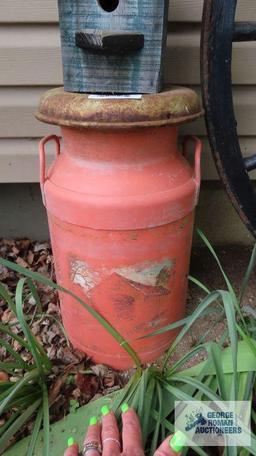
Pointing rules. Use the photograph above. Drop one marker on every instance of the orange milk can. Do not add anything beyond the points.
(120, 199)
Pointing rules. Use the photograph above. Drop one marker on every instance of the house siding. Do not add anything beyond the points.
(30, 62)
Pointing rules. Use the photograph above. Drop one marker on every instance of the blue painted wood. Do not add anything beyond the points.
(137, 72)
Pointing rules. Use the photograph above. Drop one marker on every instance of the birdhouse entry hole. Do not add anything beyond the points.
(109, 5)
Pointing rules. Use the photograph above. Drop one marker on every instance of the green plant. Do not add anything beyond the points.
(226, 374)
(27, 396)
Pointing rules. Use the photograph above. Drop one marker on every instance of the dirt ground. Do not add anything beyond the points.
(234, 260)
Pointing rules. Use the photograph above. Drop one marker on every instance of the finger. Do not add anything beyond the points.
(93, 435)
(110, 434)
(132, 436)
(72, 451)
(172, 446)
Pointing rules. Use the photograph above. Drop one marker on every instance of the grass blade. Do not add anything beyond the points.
(25, 400)
(16, 389)
(199, 284)
(178, 324)
(108, 327)
(5, 329)
(46, 421)
(204, 304)
(7, 298)
(229, 306)
(18, 423)
(142, 389)
(9, 422)
(215, 354)
(248, 273)
(246, 362)
(211, 383)
(39, 355)
(246, 382)
(156, 436)
(250, 342)
(210, 248)
(9, 367)
(185, 359)
(176, 392)
(4, 386)
(28, 334)
(35, 433)
(228, 283)
(147, 407)
(197, 385)
(127, 392)
(15, 355)
(35, 295)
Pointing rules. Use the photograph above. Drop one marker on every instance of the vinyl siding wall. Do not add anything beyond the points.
(30, 64)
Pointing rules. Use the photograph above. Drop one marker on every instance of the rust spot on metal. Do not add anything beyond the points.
(163, 277)
(172, 107)
(134, 235)
(184, 222)
(123, 305)
(150, 290)
(125, 301)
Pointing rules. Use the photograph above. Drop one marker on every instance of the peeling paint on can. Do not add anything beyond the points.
(155, 274)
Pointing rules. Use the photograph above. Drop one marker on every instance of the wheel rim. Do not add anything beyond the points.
(218, 33)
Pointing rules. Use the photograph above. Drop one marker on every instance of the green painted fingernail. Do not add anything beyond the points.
(105, 410)
(71, 442)
(93, 421)
(178, 441)
(125, 407)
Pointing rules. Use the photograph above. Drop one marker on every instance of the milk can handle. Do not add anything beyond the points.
(42, 144)
(198, 152)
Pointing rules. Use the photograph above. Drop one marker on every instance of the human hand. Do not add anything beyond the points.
(105, 438)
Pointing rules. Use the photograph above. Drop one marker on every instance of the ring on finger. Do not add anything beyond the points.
(93, 445)
(111, 439)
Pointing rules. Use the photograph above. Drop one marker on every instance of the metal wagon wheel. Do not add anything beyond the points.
(219, 31)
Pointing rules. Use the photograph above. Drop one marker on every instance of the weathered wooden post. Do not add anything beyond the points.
(113, 45)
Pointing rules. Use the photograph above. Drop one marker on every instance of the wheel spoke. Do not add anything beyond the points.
(244, 31)
(250, 163)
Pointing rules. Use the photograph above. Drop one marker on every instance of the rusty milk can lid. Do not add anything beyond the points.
(171, 107)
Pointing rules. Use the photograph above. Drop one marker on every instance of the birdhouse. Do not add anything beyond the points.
(113, 46)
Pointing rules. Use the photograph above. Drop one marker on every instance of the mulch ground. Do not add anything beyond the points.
(75, 379)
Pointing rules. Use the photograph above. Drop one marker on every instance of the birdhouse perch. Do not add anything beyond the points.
(113, 45)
